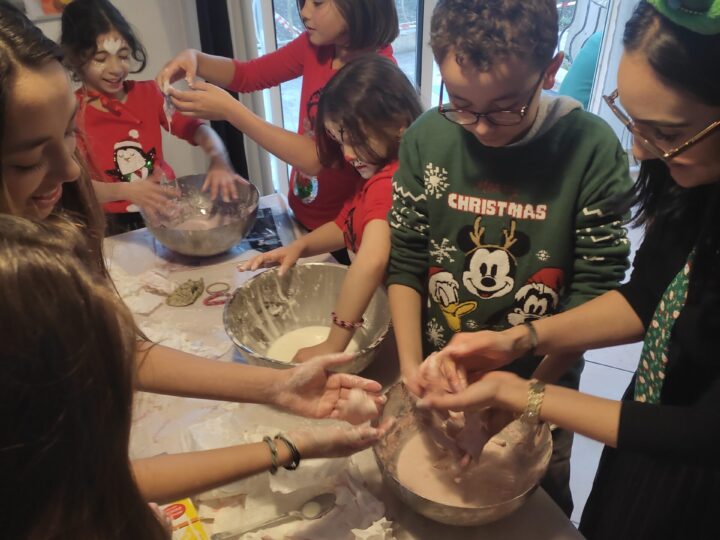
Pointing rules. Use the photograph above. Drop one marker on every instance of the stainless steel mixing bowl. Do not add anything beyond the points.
(227, 223)
(268, 306)
(400, 406)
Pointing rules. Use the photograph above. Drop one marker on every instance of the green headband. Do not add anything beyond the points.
(700, 16)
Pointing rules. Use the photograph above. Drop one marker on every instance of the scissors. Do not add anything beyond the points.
(218, 294)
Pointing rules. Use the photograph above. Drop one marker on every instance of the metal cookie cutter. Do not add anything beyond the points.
(217, 294)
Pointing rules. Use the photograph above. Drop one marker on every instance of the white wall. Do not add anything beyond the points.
(165, 27)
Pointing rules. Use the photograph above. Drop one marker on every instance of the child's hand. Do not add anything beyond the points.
(205, 100)
(285, 256)
(337, 441)
(154, 199)
(308, 353)
(482, 393)
(221, 180)
(183, 65)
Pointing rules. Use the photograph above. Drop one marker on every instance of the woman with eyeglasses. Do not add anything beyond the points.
(659, 475)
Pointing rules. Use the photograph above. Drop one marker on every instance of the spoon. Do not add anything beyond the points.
(315, 508)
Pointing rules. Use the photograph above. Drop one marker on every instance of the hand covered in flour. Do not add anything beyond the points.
(205, 100)
(285, 256)
(155, 199)
(311, 390)
(222, 180)
(484, 392)
(337, 441)
(183, 65)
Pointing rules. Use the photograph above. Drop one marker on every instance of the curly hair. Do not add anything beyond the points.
(485, 32)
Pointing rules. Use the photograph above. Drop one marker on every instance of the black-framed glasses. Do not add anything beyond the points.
(645, 141)
(466, 117)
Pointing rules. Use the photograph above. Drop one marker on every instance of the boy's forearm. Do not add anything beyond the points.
(406, 309)
(218, 70)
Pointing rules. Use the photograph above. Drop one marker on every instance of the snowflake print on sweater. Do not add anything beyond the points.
(436, 180)
(442, 251)
(435, 333)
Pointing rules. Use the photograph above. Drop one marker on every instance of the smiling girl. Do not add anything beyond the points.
(121, 120)
(336, 32)
(363, 111)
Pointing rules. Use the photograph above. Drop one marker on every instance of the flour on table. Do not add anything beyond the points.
(285, 347)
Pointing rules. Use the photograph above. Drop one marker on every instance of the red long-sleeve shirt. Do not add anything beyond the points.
(372, 201)
(315, 201)
(124, 143)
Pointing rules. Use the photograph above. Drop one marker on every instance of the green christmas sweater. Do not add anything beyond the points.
(493, 237)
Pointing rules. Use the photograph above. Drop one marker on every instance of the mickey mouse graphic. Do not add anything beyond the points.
(538, 298)
(490, 269)
(443, 290)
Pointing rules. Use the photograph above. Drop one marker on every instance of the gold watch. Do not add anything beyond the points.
(536, 393)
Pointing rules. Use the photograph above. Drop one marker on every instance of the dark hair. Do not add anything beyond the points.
(485, 32)
(83, 21)
(684, 60)
(24, 46)
(68, 348)
(369, 97)
(372, 24)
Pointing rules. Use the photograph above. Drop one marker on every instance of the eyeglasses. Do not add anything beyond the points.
(498, 118)
(646, 142)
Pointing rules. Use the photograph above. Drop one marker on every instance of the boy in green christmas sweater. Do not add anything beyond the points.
(505, 202)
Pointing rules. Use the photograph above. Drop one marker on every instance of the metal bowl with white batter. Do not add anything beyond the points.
(268, 306)
(400, 406)
(201, 226)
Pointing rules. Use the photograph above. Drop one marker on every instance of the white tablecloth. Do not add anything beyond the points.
(160, 421)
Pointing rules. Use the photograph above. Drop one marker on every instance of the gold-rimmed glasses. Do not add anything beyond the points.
(646, 142)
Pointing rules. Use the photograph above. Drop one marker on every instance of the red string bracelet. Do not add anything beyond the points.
(347, 325)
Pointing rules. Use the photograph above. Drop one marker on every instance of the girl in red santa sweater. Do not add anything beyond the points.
(120, 120)
(337, 31)
(363, 112)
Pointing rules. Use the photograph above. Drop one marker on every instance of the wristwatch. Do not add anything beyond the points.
(536, 393)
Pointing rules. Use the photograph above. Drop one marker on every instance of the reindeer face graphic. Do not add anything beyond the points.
(490, 268)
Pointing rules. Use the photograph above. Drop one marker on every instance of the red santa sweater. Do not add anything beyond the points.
(315, 201)
(124, 143)
(372, 201)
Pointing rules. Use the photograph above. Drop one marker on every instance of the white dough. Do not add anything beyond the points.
(285, 347)
(360, 407)
(511, 463)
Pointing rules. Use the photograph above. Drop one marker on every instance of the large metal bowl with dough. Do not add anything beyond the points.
(400, 405)
(203, 227)
(268, 306)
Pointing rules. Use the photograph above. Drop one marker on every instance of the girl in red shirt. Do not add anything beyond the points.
(363, 112)
(121, 120)
(337, 31)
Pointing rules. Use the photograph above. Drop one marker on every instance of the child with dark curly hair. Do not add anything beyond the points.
(504, 202)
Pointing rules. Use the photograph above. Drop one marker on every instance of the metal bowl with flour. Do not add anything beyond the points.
(268, 306)
(201, 226)
(498, 504)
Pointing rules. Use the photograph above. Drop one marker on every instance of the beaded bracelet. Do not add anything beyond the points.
(347, 325)
(273, 454)
(294, 452)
